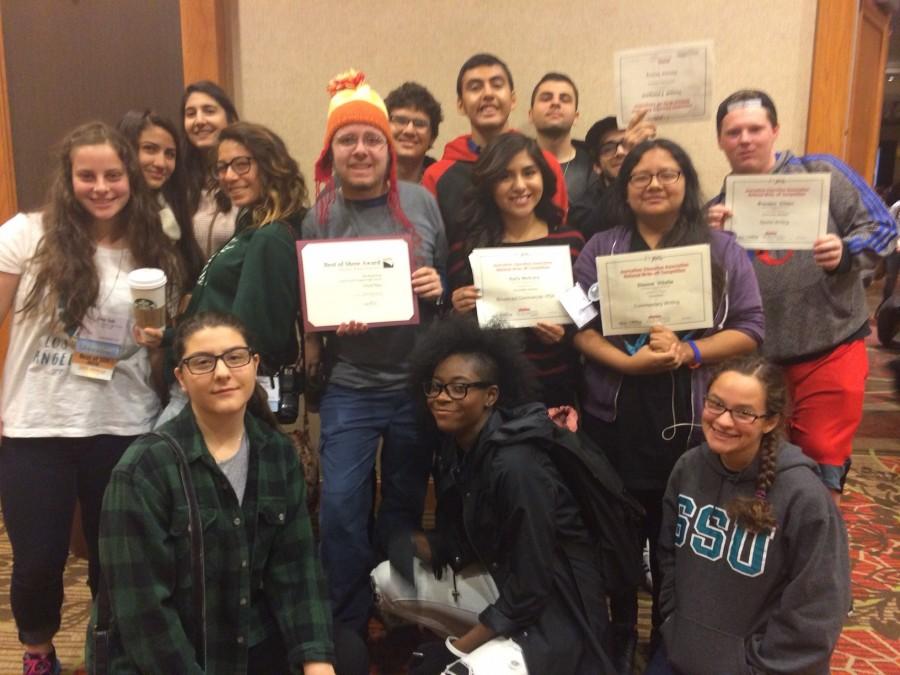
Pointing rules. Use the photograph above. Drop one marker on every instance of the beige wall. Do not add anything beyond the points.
(285, 52)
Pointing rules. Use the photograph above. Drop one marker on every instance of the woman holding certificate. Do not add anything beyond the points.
(510, 205)
(643, 393)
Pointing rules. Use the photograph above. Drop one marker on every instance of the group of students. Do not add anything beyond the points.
(691, 423)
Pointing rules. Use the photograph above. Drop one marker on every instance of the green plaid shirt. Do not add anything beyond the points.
(262, 574)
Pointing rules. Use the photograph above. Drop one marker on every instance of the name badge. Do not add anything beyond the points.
(98, 345)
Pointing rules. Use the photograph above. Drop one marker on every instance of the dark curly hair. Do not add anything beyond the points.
(755, 513)
(414, 95)
(284, 194)
(498, 354)
(480, 216)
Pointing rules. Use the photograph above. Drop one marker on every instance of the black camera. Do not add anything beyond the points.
(291, 383)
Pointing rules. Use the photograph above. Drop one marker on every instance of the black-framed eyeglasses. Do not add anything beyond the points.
(240, 165)
(457, 391)
(402, 121)
(664, 177)
(739, 415)
(609, 148)
(202, 363)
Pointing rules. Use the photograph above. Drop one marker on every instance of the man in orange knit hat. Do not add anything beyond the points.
(366, 400)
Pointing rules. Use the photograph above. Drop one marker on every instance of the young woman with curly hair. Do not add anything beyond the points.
(510, 568)
(254, 276)
(66, 422)
(746, 517)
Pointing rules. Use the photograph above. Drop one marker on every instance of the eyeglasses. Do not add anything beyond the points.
(717, 408)
(608, 149)
(240, 165)
(457, 391)
(200, 364)
(370, 141)
(402, 121)
(664, 177)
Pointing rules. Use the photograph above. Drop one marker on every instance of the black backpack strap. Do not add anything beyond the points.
(198, 566)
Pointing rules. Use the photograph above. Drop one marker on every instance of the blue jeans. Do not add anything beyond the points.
(353, 423)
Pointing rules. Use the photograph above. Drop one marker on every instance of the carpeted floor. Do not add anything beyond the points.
(870, 643)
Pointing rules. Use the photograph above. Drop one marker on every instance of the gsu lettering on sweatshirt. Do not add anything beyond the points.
(709, 534)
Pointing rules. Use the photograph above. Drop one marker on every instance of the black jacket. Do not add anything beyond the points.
(504, 505)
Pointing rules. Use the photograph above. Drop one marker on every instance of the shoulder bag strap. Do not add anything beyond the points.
(198, 567)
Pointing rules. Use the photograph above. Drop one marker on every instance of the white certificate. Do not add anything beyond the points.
(520, 284)
(673, 81)
(668, 286)
(778, 211)
(367, 279)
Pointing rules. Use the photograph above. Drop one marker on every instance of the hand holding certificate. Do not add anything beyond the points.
(669, 286)
(520, 285)
(356, 281)
(778, 211)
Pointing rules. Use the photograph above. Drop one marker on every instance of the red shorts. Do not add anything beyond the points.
(827, 395)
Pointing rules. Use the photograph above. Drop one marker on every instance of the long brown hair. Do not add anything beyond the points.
(755, 514)
(175, 190)
(284, 194)
(66, 283)
(198, 161)
(480, 216)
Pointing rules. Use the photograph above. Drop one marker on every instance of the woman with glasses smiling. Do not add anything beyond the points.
(753, 552)
(510, 571)
(254, 276)
(266, 606)
(643, 394)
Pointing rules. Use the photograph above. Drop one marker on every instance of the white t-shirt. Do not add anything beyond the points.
(41, 395)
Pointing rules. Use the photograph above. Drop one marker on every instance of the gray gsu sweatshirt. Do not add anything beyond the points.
(737, 602)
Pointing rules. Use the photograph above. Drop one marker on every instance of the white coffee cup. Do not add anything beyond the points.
(148, 289)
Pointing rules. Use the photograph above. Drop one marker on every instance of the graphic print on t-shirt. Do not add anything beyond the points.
(53, 354)
(715, 536)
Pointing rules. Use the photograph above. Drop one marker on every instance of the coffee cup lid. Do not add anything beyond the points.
(146, 278)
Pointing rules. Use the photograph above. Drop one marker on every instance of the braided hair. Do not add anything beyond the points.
(755, 513)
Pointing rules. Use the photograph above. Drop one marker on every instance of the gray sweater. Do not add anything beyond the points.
(378, 358)
(810, 311)
(737, 602)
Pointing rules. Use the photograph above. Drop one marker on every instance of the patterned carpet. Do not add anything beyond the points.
(870, 643)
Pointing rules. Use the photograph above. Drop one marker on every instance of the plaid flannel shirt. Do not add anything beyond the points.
(262, 573)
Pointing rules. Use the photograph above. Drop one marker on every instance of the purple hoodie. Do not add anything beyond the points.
(739, 309)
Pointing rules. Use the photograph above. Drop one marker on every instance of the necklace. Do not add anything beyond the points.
(115, 280)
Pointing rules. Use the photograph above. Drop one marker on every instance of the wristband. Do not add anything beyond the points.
(698, 360)
(453, 650)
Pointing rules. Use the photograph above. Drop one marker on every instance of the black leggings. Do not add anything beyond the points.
(40, 479)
